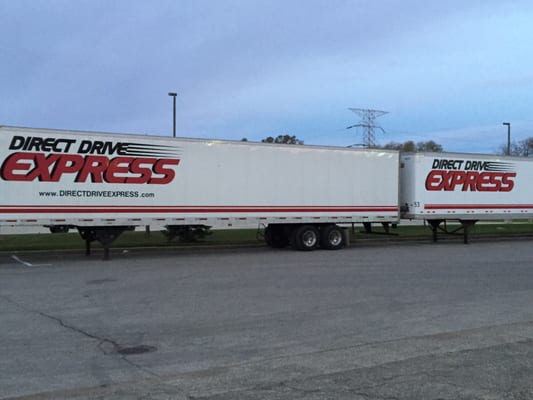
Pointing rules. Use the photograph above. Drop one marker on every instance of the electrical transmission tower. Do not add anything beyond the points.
(368, 123)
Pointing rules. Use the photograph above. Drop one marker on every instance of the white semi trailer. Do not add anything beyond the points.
(438, 187)
(103, 184)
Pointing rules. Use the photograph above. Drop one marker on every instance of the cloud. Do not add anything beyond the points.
(264, 67)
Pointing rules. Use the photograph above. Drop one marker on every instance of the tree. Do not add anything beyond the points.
(407, 146)
(283, 139)
(429, 146)
(410, 146)
(524, 148)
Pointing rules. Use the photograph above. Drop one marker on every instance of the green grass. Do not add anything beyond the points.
(480, 230)
(72, 241)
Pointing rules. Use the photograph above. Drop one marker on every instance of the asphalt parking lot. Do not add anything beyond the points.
(375, 321)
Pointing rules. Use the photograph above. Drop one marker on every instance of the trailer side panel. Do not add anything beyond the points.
(52, 177)
(465, 186)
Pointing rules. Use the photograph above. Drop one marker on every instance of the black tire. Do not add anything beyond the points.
(306, 238)
(275, 237)
(332, 237)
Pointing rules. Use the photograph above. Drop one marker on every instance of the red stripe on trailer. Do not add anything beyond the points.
(477, 206)
(192, 209)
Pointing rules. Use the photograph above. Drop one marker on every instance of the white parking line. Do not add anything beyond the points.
(27, 264)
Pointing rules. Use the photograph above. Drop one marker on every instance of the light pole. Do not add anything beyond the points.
(173, 95)
(508, 137)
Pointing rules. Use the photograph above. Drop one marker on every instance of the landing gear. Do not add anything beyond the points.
(465, 229)
(104, 234)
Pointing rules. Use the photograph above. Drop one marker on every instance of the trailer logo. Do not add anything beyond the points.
(52, 159)
(470, 176)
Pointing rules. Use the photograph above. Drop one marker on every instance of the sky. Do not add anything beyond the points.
(449, 71)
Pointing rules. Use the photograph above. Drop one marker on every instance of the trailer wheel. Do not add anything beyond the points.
(306, 238)
(275, 237)
(332, 237)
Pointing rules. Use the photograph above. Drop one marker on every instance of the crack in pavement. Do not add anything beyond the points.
(102, 341)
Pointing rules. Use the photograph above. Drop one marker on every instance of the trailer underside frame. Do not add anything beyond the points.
(440, 225)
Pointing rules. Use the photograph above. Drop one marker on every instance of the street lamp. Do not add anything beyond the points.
(173, 95)
(508, 137)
